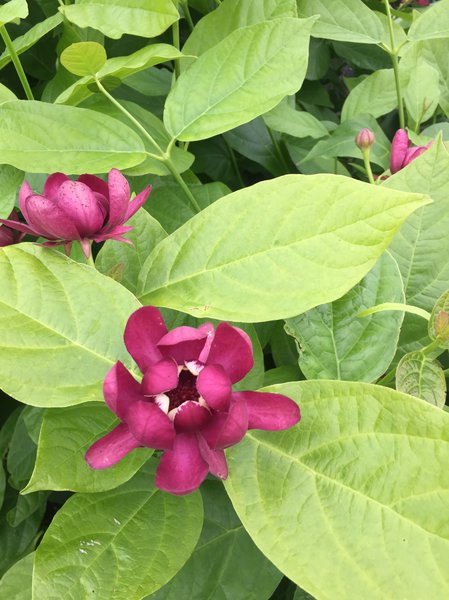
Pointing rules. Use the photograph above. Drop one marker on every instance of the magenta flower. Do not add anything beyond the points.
(10, 236)
(401, 152)
(185, 404)
(84, 210)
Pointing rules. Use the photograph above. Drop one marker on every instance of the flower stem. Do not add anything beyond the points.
(164, 157)
(16, 62)
(90, 260)
(278, 150)
(176, 44)
(188, 16)
(393, 52)
(367, 163)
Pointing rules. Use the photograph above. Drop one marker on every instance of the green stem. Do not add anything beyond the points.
(388, 378)
(187, 14)
(433, 347)
(16, 62)
(234, 163)
(278, 150)
(367, 163)
(164, 157)
(170, 166)
(176, 44)
(393, 52)
(90, 260)
(122, 109)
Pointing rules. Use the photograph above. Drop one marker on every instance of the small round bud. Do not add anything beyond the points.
(365, 139)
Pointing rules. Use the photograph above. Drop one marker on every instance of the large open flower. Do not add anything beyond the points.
(185, 404)
(84, 210)
(402, 153)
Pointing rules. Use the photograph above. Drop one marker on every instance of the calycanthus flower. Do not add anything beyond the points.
(10, 236)
(401, 152)
(185, 404)
(84, 210)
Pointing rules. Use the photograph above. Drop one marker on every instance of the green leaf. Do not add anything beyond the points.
(421, 247)
(341, 142)
(232, 15)
(120, 68)
(12, 10)
(124, 543)
(2, 484)
(17, 541)
(312, 500)
(31, 139)
(226, 563)
(438, 326)
(422, 93)
(229, 262)
(173, 208)
(300, 124)
(28, 39)
(335, 344)
(83, 58)
(10, 181)
(423, 377)
(6, 94)
(123, 262)
(434, 52)
(26, 506)
(254, 141)
(145, 18)
(58, 341)
(16, 582)
(343, 20)
(181, 159)
(21, 454)
(433, 23)
(65, 437)
(246, 80)
(375, 96)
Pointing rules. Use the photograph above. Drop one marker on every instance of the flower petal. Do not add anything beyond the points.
(226, 429)
(13, 224)
(190, 415)
(183, 469)
(48, 220)
(269, 411)
(231, 348)
(216, 459)
(120, 390)
(137, 203)
(150, 425)
(399, 147)
(111, 448)
(160, 378)
(144, 329)
(215, 387)
(80, 204)
(25, 191)
(119, 194)
(182, 343)
(96, 184)
(52, 185)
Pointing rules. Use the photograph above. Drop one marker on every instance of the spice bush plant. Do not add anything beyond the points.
(224, 299)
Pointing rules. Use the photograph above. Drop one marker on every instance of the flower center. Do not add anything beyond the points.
(184, 391)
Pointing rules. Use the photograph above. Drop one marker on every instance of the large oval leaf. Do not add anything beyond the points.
(226, 563)
(351, 502)
(65, 436)
(423, 377)
(245, 82)
(147, 18)
(58, 340)
(336, 344)
(15, 9)
(16, 582)
(41, 138)
(124, 543)
(344, 20)
(275, 249)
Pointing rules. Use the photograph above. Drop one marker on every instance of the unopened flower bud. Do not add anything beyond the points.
(365, 139)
